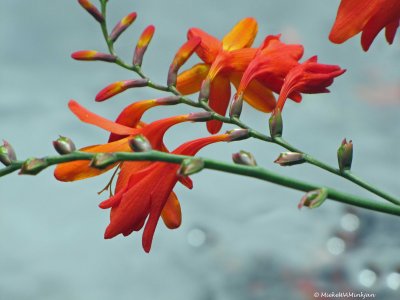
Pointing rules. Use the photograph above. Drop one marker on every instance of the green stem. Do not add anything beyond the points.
(249, 171)
(347, 174)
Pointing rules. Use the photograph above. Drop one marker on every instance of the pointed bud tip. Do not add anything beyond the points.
(276, 124)
(244, 158)
(7, 153)
(313, 199)
(290, 158)
(64, 145)
(200, 116)
(33, 166)
(190, 166)
(140, 143)
(102, 160)
(238, 134)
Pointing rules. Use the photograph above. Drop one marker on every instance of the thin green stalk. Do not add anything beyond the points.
(249, 171)
(347, 174)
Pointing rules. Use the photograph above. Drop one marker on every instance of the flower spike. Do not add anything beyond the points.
(122, 26)
(91, 9)
(183, 54)
(118, 87)
(92, 55)
(142, 44)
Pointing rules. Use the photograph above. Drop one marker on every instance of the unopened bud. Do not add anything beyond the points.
(313, 199)
(122, 26)
(92, 55)
(33, 166)
(7, 153)
(171, 100)
(118, 87)
(345, 155)
(275, 124)
(200, 116)
(205, 90)
(190, 166)
(142, 44)
(91, 9)
(64, 145)
(183, 54)
(140, 143)
(290, 159)
(238, 134)
(244, 158)
(102, 160)
(236, 106)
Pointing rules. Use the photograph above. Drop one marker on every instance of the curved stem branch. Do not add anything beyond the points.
(249, 171)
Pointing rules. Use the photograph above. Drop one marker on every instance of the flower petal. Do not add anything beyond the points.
(382, 17)
(209, 46)
(189, 81)
(241, 36)
(220, 94)
(391, 30)
(80, 169)
(351, 17)
(91, 118)
(256, 94)
(171, 213)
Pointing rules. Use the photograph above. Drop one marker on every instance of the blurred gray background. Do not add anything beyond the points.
(240, 238)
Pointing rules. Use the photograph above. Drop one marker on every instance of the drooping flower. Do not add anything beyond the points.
(223, 62)
(145, 195)
(368, 17)
(309, 77)
(269, 67)
(128, 124)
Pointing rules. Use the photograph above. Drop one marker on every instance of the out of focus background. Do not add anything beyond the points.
(240, 238)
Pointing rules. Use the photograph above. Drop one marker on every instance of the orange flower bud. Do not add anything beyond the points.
(122, 26)
(118, 87)
(180, 58)
(91, 9)
(91, 55)
(143, 43)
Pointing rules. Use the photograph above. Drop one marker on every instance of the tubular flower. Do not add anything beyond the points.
(223, 61)
(309, 77)
(368, 17)
(119, 141)
(269, 67)
(145, 196)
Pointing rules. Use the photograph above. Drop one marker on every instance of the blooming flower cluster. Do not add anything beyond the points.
(264, 77)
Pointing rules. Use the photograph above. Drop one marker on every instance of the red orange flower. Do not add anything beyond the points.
(224, 62)
(368, 17)
(309, 77)
(130, 116)
(269, 68)
(145, 196)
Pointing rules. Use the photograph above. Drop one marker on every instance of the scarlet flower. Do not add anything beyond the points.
(119, 141)
(368, 17)
(224, 62)
(309, 77)
(145, 196)
(269, 67)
